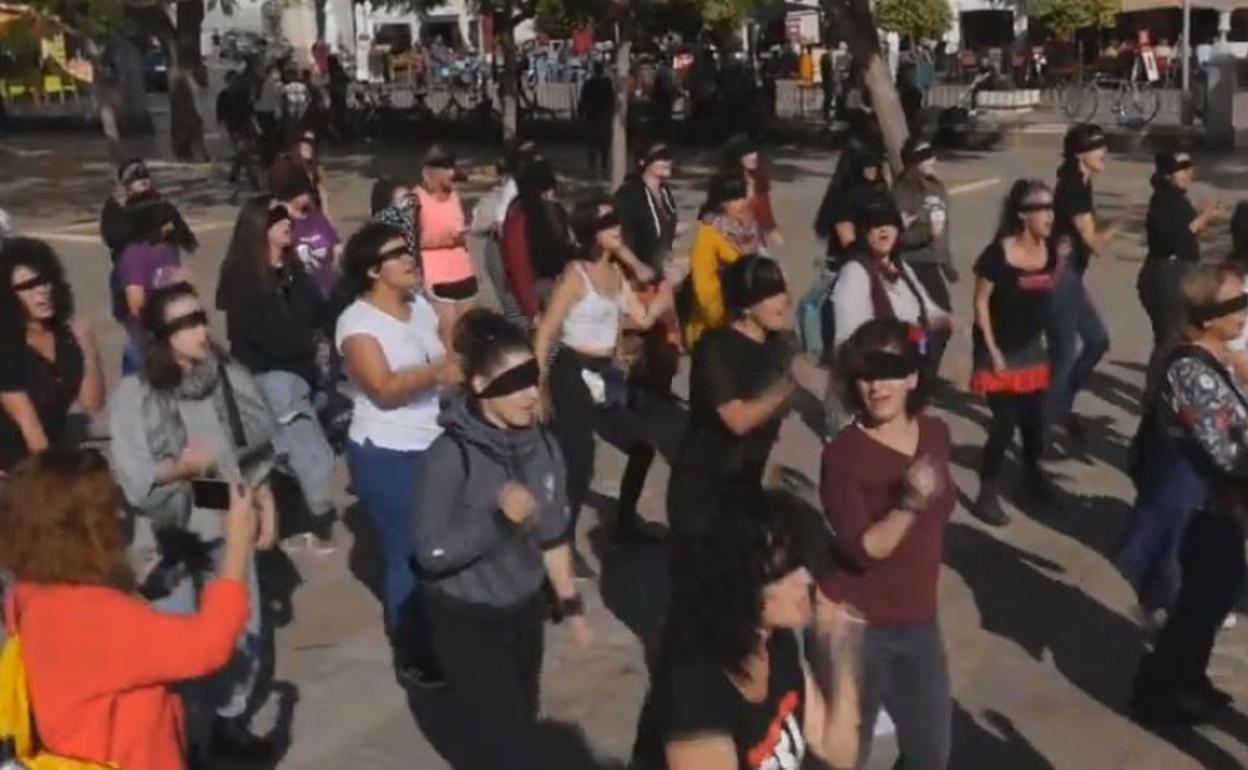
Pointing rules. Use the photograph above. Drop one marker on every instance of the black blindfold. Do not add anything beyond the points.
(885, 365)
(182, 323)
(1203, 315)
(32, 283)
(278, 214)
(606, 222)
(514, 380)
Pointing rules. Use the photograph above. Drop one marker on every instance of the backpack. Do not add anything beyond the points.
(815, 317)
(17, 724)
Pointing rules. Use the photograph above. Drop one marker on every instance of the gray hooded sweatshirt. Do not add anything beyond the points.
(468, 550)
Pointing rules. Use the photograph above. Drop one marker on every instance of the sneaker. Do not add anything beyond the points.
(232, 738)
(1150, 621)
(420, 676)
(1229, 622)
(987, 506)
(308, 541)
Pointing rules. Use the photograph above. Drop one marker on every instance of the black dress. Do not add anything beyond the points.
(51, 386)
(715, 469)
(695, 698)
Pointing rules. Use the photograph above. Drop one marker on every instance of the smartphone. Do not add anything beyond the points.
(211, 494)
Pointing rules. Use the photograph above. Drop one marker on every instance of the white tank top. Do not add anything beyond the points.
(592, 325)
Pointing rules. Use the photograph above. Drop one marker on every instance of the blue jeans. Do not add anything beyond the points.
(385, 482)
(300, 439)
(906, 673)
(1077, 340)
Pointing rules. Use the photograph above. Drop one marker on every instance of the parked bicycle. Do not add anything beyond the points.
(1134, 100)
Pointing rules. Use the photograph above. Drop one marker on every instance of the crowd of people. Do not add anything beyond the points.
(470, 434)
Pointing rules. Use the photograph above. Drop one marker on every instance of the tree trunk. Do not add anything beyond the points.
(510, 80)
(619, 119)
(864, 46)
(186, 76)
(120, 89)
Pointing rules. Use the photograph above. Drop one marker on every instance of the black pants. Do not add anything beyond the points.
(1213, 569)
(244, 160)
(577, 418)
(598, 145)
(1024, 411)
(492, 660)
(1158, 286)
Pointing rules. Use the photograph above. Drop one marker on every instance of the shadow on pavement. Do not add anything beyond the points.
(997, 745)
(1091, 646)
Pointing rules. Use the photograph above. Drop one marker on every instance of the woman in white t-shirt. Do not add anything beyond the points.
(392, 352)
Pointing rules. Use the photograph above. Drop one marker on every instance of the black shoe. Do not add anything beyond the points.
(1217, 698)
(633, 531)
(987, 506)
(231, 738)
(420, 676)
(1039, 488)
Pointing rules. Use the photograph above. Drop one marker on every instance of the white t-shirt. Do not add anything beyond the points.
(506, 195)
(414, 425)
(851, 300)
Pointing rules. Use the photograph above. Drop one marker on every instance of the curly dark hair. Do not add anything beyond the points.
(37, 256)
(362, 253)
(60, 512)
(717, 589)
(879, 335)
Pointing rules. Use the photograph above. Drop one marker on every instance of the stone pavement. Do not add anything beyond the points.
(1040, 649)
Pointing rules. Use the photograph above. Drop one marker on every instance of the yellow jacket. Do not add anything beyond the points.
(711, 251)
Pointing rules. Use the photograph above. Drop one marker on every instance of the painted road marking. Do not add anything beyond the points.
(979, 184)
(71, 237)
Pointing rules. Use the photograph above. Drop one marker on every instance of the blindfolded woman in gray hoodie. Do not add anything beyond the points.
(493, 526)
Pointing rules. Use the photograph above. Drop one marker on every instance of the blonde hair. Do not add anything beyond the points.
(1199, 289)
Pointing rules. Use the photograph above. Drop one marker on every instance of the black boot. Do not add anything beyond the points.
(987, 506)
(232, 738)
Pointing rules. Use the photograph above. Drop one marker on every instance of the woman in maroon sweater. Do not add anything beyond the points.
(887, 494)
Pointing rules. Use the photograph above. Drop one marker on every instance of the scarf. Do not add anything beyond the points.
(166, 434)
(881, 306)
(742, 234)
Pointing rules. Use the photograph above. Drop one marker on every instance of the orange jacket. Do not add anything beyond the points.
(99, 664)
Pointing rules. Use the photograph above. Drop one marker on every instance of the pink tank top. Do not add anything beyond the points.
(440, 218)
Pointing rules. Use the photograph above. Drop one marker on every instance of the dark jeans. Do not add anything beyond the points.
(384, 480)
(1213, 568)
(1024, 411)
(244, 160)
(492, 660)
(598, 144)
(1158, 286)
(1077, 340)
(905, 671)
(577, 418)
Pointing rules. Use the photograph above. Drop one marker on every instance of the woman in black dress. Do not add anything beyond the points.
(739, 393)
(50, 359)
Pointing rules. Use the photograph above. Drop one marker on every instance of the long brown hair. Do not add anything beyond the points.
(245, 271)
(61, 517)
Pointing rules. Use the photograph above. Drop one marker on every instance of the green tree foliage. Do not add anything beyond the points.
(917, 18)
(1065, 17)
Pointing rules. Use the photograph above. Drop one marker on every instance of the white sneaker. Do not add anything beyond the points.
(307, 541)
(1230, 622)
(1148, 621)
(884, 725)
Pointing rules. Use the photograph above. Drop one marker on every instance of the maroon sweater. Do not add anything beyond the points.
(861, 483)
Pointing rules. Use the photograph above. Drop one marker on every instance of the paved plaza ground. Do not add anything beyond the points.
(1040, 648)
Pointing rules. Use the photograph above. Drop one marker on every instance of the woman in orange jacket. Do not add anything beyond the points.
(726, 231)
(99, 661)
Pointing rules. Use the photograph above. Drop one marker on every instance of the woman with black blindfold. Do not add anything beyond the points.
(492, 525)
(1192, 464)
(586, 384)
(1174, 227)
(51, 361)
(274, 312)
(189, 423)
(536, 240)
(887, 493)
(741, 156)
(739, 392)
(1013, 287)
(726, 231)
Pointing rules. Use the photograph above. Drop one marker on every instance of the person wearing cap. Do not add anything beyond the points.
(887, 494)
(876, 284)
(536, 243)
(859, 173)
(1173, 227)
(924, 203)
(1198, 451)
(740, 156)
(740, 388)
(133, 181)
(1076, 335)
(313, 236)
(726, 231)
(1013, 286)
(450, 278)
(585, 386)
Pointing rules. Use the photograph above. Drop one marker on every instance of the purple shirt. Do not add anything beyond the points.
(314, 239)
(150, 266)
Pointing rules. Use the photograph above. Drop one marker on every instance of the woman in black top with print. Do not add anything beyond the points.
(48, 358)
(1013, 284)
(859, 173)
(739, 393)
(730, 690)
(1173, 227)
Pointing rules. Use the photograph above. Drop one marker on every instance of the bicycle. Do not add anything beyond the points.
(1135, 101)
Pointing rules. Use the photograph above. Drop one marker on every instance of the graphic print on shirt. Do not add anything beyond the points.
(782, 747)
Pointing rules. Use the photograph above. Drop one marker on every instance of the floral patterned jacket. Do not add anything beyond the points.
(1207, 407)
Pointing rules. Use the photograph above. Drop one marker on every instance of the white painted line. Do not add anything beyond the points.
(979, 184)
(70, 237)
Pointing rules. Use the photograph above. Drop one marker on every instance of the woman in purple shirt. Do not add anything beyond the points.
(151, 260)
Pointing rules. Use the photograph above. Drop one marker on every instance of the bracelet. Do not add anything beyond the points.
(572, 606)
